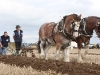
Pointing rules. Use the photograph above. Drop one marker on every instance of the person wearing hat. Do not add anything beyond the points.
(5, 40)
(18, 35)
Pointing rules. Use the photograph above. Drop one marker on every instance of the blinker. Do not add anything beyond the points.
(98, 23)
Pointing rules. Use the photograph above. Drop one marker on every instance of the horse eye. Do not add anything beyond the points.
(72, 22)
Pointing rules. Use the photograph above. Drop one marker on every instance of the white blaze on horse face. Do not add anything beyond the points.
(76, 28)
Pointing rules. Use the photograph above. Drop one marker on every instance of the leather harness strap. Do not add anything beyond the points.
(53, 32)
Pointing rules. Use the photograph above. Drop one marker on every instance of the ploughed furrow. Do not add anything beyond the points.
(71, 68)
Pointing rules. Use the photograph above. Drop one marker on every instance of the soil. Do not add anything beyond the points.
(71, 68)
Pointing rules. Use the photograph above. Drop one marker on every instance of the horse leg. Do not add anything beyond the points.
(79, 59)
(46, 51)
(66, 54)
(79, 55)
(42, 49)
(58, 47)
(86, 51)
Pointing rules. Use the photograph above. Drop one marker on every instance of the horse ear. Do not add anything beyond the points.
(64, 17)
(80, 16)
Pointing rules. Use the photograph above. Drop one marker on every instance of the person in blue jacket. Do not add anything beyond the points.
(18, 35)
(5, 40)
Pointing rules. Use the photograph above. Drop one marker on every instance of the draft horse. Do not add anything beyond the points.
(85, 32)
(59, 34)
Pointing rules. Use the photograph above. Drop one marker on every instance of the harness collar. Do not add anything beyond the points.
(83, 29)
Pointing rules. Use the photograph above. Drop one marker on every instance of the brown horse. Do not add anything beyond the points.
(87, 25)
(59, 34)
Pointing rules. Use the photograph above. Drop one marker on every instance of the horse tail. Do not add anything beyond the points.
(38, 46)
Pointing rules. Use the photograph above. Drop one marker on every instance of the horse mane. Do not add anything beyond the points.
(98, 17)
(77, 16)
(71, 14)
(94, 17)
(64, 18)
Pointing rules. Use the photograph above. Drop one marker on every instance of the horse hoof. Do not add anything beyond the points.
(80, 61)
(42, 56)
(83, 57)
(46, 59)
(66, 61)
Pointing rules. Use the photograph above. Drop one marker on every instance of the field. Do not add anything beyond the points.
(16, 65)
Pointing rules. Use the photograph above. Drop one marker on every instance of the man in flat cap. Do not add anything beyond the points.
(18, 35)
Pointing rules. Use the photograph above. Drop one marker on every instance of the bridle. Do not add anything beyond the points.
(98, 25)
(73, 24)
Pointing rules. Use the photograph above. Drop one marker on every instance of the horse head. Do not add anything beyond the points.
(72, 24)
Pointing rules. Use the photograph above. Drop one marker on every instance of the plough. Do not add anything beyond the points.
(24, 50)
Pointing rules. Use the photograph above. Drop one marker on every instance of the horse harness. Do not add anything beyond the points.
(53, 32)
(63, 31)
(83, 29)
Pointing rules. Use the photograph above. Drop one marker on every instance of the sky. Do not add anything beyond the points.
(31, 14)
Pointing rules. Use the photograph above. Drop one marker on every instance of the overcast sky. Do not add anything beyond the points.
(31, 14)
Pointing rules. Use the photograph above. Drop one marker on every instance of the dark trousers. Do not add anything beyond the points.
(18, 46)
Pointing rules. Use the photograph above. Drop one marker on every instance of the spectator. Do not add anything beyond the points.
(18, 34)
(97, 46)
(0, 47)
(5, 39)
(94, 46)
